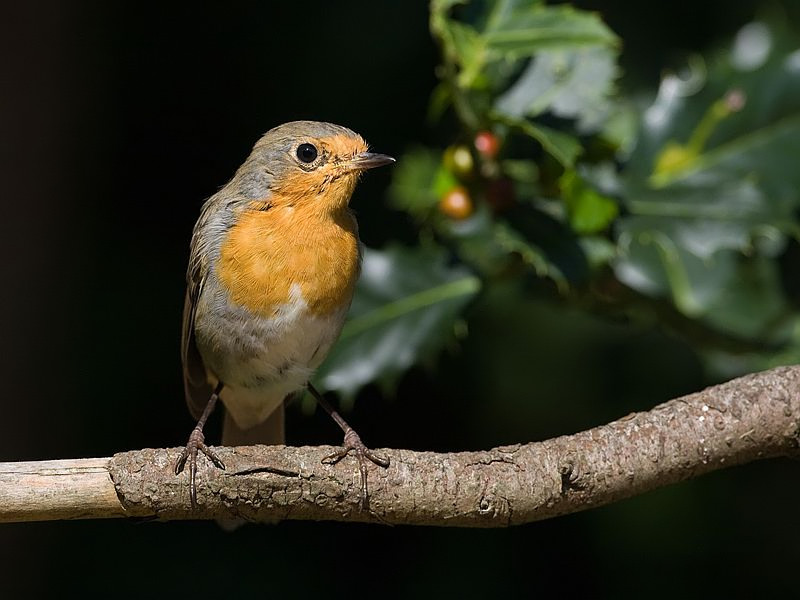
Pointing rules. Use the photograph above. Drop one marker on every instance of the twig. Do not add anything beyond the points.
(754, 417)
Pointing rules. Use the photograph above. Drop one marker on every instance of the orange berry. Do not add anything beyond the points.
(456, 203)
(487, 143)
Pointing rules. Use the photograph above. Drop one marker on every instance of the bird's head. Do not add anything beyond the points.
(307, 164)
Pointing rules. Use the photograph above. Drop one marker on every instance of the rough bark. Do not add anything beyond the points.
(754, 417)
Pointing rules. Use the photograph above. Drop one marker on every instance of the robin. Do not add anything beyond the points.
(273, 264)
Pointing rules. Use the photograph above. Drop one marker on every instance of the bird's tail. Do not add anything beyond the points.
(269, 432)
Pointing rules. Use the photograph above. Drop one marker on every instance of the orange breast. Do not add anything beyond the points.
(268, 252)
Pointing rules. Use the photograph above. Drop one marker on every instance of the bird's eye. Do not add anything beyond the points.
(307, 153)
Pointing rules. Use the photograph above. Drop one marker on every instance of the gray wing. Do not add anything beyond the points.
(195, 384)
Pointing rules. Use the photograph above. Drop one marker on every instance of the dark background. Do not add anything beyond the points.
(117, 120)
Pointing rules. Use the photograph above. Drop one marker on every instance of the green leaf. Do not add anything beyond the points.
(652, 262)
(767, 153)
(503, 12)
(476, 242)
(588, 210)
(712, 189)
(510, 240)
(414, 180)
(767, 113)
(405, 309)
(494, 246)
(621, 128)
(598, 250)
(562, 146)
(749, 303)
(571, 84)
(500, 34)
(444, 181)
(562, 256)
(682, 241)
(732, 293)
(469, 50)
(524, 171)
(527, 29)
(441, 97)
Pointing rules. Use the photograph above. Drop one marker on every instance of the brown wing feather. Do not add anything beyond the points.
(195, 384)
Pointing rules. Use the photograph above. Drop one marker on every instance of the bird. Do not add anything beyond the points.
(273, 264)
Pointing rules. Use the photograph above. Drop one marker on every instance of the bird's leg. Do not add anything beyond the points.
(352, 443)
(197, 441)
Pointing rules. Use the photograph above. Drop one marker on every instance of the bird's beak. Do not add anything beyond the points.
(369, 160)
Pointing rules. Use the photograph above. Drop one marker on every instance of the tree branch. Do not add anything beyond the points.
(750, 418)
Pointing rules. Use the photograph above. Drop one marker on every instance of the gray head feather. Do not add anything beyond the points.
(274, 154)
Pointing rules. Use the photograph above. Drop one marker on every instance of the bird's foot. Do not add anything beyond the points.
(197, 442)
(353, 444)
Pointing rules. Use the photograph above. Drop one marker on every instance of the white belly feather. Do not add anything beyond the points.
(262, 360)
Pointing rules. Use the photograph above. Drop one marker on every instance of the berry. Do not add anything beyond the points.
(487, 143)
(456, 203)
(458, 160)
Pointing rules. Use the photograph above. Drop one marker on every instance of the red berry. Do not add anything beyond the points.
(456, 203)
(487, 143)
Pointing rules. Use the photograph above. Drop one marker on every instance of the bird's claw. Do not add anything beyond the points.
(197, 442)
(353, 444)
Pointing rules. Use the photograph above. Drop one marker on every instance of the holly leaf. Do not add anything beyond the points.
(563, 147)
(572, 84)
(527, 28)
(588, 210)
(406, 307)
(712, 189)
(500, 35)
